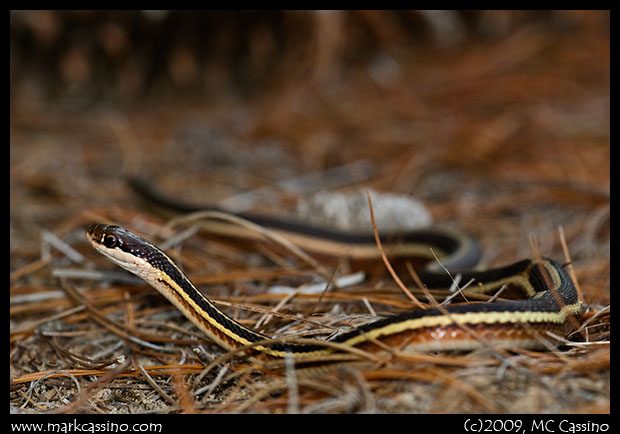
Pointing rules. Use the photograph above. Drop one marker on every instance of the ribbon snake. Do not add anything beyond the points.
(549, 299)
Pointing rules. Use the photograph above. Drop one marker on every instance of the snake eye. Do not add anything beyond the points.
(110, 241)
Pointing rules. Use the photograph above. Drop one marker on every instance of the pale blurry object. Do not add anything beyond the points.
(350, 211)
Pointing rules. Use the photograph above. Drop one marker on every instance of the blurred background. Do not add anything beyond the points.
(498, 121)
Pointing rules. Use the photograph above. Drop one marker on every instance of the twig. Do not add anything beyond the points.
(387, 262)
(291, 385)
(569, 262)
(83, 396)
(154, 385)
(266, 233)
(49, 238)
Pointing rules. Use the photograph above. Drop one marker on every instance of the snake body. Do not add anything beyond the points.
(550, 301)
